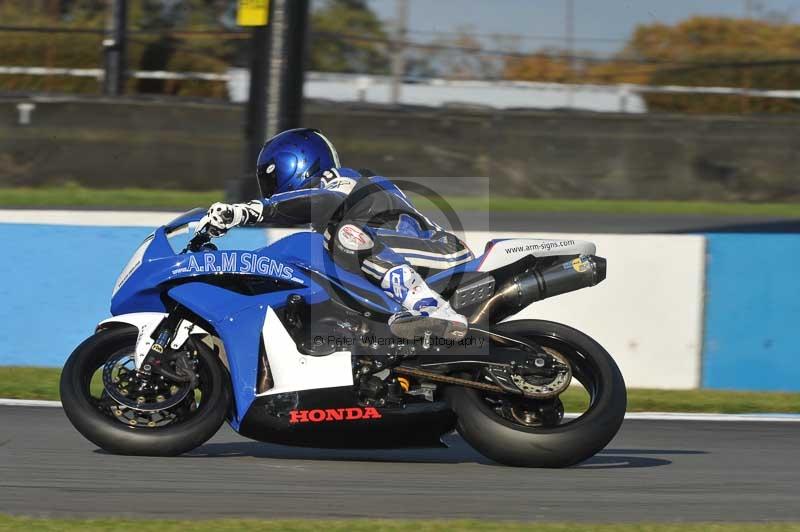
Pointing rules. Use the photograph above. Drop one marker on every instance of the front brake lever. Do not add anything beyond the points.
(197, 242)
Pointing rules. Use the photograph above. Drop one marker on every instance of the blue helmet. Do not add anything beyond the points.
(289, 159)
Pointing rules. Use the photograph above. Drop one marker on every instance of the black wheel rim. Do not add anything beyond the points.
(584, 370)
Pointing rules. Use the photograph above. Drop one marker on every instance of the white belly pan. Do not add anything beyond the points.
(293, 371)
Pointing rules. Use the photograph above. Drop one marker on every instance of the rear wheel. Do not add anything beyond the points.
(126, 413)
(534, 433)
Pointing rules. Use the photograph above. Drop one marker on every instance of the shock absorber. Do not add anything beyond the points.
(154, 361)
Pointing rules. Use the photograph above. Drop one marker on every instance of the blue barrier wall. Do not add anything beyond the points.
(56, 285)
(752, 330)
(57, 279)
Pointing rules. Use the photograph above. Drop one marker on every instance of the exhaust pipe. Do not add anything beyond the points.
(535, 285)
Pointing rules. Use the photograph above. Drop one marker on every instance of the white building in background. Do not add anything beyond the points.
(623, 98)
(439, 92)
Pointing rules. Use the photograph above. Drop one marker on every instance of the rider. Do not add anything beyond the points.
(367, 222)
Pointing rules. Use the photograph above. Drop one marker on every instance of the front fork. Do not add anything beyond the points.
(166, 350)
(159, 333)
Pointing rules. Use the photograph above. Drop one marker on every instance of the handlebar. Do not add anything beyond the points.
(200, 241)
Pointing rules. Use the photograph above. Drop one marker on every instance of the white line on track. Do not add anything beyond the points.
(29, 402)
(685, 416)
(93, 218)
(649, 416)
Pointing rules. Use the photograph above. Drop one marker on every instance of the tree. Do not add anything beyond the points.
(711, 51)
(542, 66)
(700, 51)
(158, 51)
(347, 36)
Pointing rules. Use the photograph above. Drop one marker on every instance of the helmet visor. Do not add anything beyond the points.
(267, 179)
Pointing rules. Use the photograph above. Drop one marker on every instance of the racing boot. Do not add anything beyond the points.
(425, 312)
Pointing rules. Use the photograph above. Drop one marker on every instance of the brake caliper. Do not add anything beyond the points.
(544, 375)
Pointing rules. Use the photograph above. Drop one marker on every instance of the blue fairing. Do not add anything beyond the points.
(299, 262)
(470, 266)
(238, 320)
(307, 251)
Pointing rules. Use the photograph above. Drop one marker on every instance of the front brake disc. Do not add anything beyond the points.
(124, 386)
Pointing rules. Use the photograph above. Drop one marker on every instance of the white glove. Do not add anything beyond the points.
(223, 216)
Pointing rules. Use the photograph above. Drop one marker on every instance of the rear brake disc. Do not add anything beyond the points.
(538, 388)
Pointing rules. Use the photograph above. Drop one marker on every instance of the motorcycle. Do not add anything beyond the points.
(292, 348)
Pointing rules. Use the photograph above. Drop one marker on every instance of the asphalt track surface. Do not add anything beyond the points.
(652, 471)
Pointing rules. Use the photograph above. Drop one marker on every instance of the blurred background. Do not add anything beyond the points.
(617, 99)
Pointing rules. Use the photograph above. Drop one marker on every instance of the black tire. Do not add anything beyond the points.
(110, 434)
(563, 445)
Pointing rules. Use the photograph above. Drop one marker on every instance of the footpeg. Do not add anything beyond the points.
(472, 293)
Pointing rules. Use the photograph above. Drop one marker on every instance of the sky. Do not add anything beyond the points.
(601, 26)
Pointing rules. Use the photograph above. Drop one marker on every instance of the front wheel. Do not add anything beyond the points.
(124, 412)
(518, 434)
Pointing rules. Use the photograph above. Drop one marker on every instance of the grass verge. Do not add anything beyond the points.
(42, 383)
(599, 206)
(136, 198)
(129, 198)
(19, 382)
(371, 525)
